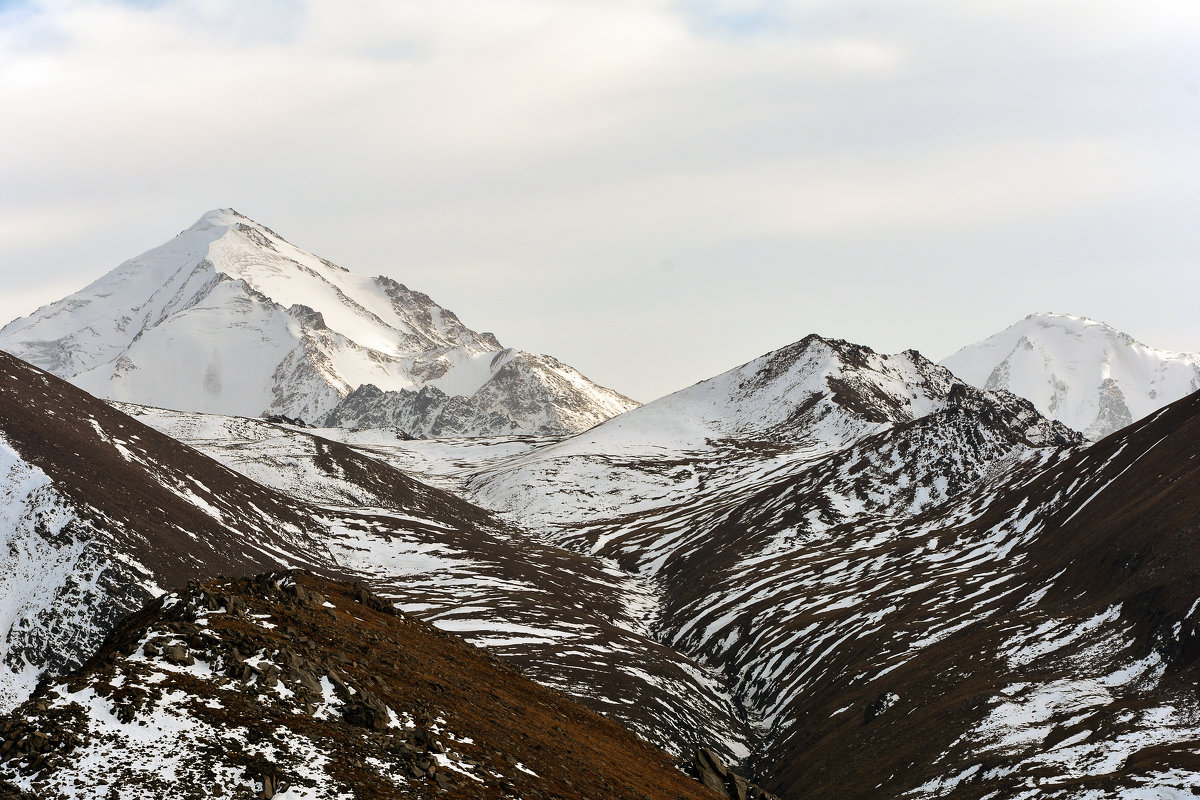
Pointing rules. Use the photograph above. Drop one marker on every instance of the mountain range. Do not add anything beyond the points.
(827, 572)
(230, 318)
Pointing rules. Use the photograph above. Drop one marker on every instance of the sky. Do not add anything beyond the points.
(653, 192)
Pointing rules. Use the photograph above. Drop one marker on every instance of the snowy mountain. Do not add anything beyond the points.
(1083, 373)
(230, 318)
(791, 408)
(912, 588)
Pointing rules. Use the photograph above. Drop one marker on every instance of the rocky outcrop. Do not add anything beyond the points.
(527, 395)
(712, 772)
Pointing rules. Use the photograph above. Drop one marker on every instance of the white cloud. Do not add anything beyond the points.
(469, 146)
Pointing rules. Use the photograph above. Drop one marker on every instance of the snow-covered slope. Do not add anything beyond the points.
(1083, 373)
(45, 542)
(228, 317)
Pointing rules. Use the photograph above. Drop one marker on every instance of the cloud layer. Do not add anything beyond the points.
(651, 191)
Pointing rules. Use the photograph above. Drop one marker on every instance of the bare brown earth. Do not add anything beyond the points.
(462, 705)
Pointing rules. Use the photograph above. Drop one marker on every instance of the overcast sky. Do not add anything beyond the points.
(653, 192)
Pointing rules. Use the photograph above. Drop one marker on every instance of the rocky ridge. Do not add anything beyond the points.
(530, 395)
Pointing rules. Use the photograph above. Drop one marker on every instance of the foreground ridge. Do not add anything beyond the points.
(291, 685)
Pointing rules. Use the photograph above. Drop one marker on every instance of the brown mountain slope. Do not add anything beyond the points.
(140, 486)
(1076, 677)
(290, 685)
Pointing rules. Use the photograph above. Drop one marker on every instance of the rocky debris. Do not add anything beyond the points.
(879, 705)
(286, 681)
(280, 419)
(712, 772)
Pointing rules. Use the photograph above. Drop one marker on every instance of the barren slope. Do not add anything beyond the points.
(287, 685)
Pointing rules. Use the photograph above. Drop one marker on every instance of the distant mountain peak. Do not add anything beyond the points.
(229, 317)
(1080, 371)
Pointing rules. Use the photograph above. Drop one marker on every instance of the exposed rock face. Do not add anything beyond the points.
(529, 394)
(713, 773)
(289, 684)
(230, 318)
(1112, 412)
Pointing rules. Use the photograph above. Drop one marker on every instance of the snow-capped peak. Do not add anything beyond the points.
(1084, 373)
(229, 317)
(220, 218)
